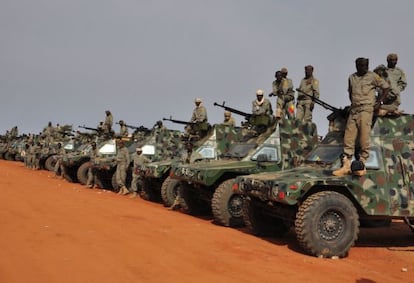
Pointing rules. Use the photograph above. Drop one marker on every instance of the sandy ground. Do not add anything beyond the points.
(55, 231)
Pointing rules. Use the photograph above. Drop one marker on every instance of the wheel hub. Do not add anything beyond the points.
(331, 226)
(235, 206)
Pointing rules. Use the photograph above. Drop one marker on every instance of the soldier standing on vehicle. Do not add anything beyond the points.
(361, 89)
(123, 132)
(90, 183)
(49, 133)
(139, 160)
(228, 120)
(396, 76)
(283, 90)
(304, 104)
(109, 120)
(391, 102)
(122, 163)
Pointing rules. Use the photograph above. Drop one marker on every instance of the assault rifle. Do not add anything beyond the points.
(178, 121)
(140, 128)
(233, 110)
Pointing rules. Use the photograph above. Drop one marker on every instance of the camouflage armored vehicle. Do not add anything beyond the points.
(75, 164)
(326, 210)
(156, 143)
(208, 184)
(216, 142)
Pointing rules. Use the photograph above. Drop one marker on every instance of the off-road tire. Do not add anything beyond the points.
(82, 173)
(191, 203)
(327, 224)
(169, 190)
(50, 163)
(227, 206)
(261, 224)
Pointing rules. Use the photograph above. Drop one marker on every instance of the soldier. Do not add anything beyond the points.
(49, 133)
(304, 104)
(122, 163)
(228, 120)
(60, 151)
(90, 183)
(123, 132)
(139, 160)
(397, 78)
(361, 89)
(199, 118)
(391, 102)
(107, 125)
(283, 89)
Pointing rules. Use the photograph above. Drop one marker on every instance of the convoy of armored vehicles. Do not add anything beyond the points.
(270, 178)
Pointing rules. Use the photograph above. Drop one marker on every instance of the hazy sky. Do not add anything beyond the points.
(67, 61)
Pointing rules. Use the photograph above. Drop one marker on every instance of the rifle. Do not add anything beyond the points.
(233, 110)
(320, 102)
(178, 121)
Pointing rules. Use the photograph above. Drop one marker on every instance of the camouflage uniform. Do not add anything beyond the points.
(228, 120)
(398, 82)
(392, 101)
(139, 160)
(285, 97)
(123, 132)
(122, 163)
(199, 118)
(362, 94)
(304, 103)
(109, 120)
(262, 107)
(59, 154)
(91, 171)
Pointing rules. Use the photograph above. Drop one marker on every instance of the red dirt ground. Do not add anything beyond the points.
(55, 231)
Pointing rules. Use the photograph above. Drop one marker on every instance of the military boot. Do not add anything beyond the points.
(124, 191)
(345, 169)
(133, 195)
(358, 167)
(120, 191)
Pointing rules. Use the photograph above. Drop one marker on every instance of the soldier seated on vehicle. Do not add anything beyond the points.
(262, 113)
(199, 121)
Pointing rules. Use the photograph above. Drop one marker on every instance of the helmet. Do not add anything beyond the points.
(259, 92)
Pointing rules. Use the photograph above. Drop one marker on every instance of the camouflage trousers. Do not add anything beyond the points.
(304, 110)
(358, 125)
(120, 172)
(284, 109)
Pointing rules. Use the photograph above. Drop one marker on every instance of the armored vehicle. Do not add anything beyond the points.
(216, 142)
(208, 184)
(156, 143)
(326, 210)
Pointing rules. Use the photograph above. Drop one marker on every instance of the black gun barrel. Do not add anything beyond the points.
(233, 110)
(177, 121)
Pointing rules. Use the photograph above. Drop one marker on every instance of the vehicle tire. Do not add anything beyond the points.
(327, 224)
(227, 206)
(50, 163)
(262, 224)
(82, 173)
(169, 191)
(190, 202)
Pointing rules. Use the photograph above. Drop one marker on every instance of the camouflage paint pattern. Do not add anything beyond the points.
(291, 139)
(387, 189)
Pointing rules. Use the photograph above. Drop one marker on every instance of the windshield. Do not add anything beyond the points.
(325, 154)
(207, 152)
(108, 147)
(240, 150)
(69, 146)
(270, 152)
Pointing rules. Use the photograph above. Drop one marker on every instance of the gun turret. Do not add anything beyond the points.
(233, 110)
(177, 121)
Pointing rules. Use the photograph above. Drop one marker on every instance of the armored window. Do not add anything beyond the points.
(207, 152)
(270, 152)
